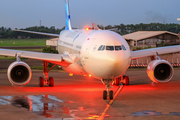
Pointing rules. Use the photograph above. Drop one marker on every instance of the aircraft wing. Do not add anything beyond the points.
(40, 33)
(60, 59)
(150, 52)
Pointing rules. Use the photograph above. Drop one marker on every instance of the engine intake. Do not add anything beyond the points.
(19, 73)
(160, 71)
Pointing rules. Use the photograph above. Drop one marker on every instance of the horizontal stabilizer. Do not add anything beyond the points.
(40, 33)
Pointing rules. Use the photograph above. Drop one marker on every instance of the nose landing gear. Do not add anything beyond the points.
(107, 93)
(124, 80)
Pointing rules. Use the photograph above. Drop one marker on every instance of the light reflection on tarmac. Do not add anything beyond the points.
(34, 103)
(77, 97)
(44, 105)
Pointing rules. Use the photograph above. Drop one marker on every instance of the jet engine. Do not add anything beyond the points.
(19, 73)
(160, 71)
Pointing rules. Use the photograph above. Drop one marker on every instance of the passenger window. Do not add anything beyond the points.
(100, 47)
(123, 47)
(118, 48)
(109, 47)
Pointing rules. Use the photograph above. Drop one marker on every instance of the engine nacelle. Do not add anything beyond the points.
(19, 73)
(160, 71)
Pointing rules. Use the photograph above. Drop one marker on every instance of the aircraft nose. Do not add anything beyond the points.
(115, 64)
(111, 66)
(114, 61)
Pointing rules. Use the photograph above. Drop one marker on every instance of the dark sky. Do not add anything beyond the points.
(28, 13)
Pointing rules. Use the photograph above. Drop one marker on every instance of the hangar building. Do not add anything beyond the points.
(151, 38)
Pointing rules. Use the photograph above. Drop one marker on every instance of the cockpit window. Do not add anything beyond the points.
(123, 47)
(112, 48)
(100, 47)
(103, 47)
(118, 48)
(109, 47)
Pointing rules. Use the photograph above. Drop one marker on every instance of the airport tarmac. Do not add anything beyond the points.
(80, 97)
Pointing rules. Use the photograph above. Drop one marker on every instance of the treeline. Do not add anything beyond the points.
(130, 28)
(9, 33)
(6, 33)
(121, 29)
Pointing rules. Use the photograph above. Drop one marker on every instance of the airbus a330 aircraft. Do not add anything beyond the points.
(101, 53)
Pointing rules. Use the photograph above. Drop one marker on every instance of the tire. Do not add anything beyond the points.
(126, 80)
(117, 81)
(51, 81)
(41, 82)
(104, 94)
(111, 95)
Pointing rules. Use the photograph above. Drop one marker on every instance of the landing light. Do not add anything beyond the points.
(70, 74)
(89, 75)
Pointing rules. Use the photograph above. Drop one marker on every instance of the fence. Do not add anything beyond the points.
(173, 58)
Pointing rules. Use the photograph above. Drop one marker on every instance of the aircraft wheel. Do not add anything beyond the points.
(117, 81)
(104, 94)
(51, 82)
(111, 95)
(126, 80)
(41, 82)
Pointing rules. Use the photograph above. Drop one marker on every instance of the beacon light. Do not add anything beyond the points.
(87, 28)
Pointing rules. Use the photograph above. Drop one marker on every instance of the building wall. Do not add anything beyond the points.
(164, 39)
(52, 42)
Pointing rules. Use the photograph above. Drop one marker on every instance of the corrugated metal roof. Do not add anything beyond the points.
(140, 35)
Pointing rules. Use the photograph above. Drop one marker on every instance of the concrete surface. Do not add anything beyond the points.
(80, 97)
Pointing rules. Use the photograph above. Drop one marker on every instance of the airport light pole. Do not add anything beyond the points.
(178, 19)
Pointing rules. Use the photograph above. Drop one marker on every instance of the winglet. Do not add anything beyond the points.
(68, 21)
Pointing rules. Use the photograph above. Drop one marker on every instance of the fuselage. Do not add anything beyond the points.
(103, 54)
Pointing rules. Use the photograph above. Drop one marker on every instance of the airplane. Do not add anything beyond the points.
(103, 54)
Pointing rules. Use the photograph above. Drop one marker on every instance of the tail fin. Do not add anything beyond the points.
(95, 27)
(68, 21)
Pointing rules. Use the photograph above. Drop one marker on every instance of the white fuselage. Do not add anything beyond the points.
(103, 54)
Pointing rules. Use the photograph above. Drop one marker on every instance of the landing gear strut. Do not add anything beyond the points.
(107, 93)
(45, 80)
(126, 80)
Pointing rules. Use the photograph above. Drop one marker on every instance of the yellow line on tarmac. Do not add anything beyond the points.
(110, 102)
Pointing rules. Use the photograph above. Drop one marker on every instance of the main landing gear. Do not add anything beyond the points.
(45, 80)
(121, 80)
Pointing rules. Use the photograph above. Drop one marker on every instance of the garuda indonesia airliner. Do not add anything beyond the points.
(103, 54)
